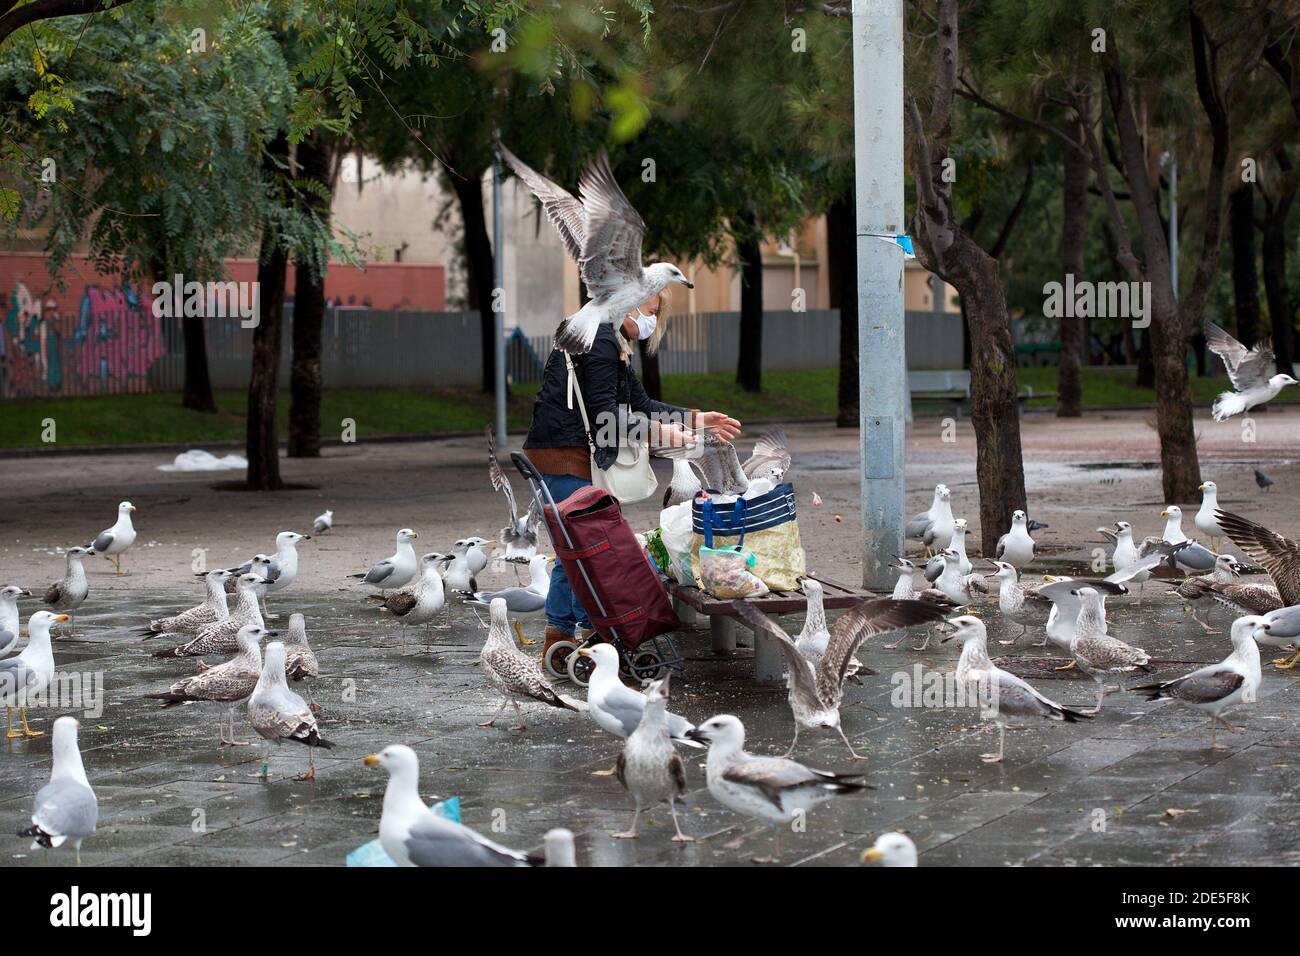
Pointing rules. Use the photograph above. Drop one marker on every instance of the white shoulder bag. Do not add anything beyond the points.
(630, 478)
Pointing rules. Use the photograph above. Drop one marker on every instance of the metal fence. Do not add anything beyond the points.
(131, 350)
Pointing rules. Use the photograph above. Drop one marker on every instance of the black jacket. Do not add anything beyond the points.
(606, 382)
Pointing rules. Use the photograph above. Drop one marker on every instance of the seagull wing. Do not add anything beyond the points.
(611, 252)
(772, 450)
(1203, 686)
(65, 808)
(798, 665)
(1158, 553)
(772, 776)
(1278, 555)
(380, 572)
(499, 480)
(104, 540)
(433, 841)
(1247, 368)
(867, 619)
(563, 211)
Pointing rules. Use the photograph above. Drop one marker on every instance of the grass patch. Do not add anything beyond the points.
(160, 419)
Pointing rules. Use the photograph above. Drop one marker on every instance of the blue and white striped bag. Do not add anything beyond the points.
(765, 525)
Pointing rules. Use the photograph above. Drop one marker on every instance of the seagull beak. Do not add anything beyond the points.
(62, 617)
(689, 285)
(490, 544)
(306, 537)
(1164, 514)
(694, 733)
(872, 856)
(583, 652)
(1201, 486)
(371, 760)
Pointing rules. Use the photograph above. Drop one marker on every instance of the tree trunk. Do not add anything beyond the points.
(305, 381)
(842, 275)
(1245, 280)
(650, 373)
(995, 413)
(749, 365)
(1281, 310)
(263, 434)
(196, 392)
(1074, 230)
(468, 186)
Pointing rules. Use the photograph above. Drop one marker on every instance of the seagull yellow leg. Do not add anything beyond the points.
(1066, 667)
(27, 731)
(10, 724)
(1287, 663)
(519, 632)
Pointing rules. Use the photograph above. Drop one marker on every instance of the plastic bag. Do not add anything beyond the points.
(676, 534)
(372, 853)
(726, 574)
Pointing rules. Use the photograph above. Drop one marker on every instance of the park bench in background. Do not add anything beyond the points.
(769, 665)
(953, 385)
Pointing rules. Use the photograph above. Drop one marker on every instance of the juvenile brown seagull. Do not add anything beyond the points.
(516, 676)
(649, 767)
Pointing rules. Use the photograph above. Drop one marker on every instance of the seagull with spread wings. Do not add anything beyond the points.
(1253, 373)
(817, 688)
(519, 537)
(603, 234)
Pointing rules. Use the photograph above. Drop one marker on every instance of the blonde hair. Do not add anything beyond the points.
(661, 324)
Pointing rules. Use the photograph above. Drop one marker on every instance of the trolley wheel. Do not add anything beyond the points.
(647, 665)
(579, 668)
(557, 659)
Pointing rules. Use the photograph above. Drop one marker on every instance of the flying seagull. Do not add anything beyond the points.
(1279, 556)
(1253, 373)
(603, 234)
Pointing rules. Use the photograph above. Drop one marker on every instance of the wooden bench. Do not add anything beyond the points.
(769, 665)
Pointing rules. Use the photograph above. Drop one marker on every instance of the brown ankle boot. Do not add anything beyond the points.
(552, 636)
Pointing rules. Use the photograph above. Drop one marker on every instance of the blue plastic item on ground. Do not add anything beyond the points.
(372, 854)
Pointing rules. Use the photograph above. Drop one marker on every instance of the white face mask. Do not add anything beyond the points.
(645, 324)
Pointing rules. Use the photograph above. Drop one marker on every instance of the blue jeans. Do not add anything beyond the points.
(562, 609)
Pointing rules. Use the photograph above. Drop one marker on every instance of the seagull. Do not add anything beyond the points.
(1020, 603)
(413, 835)
(774, 790)
(959, 588)
(649, 767)
(716, 460)
(1126, 555)
(1279, 556)
(1192, 589)
(905, 590)
(27, 675)
(300, 659)
(938, 533)
(277, 713)
(1213, 689)
(1063, 619)
(1005, 694)
(557, 847)
(617, 708)
(1253, 373)
(934, 567)
(1016, 547)
(65, 809)
(257, 566)
(916, 527)
(816, 688)
(223, 635)
(519, 537)
(213, 610)
(815, 636)
(603, 234)
(1263, 480)
(468, 557)
(113, 542)
(419, 602)
(684, 485)
(770, 458)
(398, 568)
(1195, 557)
(323, 522)
(1205, 521)
(891, 849)
(1098, 654)
(1241, 597)
(515, 675)
(69, 593)
(229, 682)
(9, 620)
(1281, 628)
(281, 570)
(522, 600)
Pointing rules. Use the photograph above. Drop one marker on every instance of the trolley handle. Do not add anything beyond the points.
(526, 467)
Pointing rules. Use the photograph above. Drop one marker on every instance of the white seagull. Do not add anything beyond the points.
(916, 527)
(522, 600)
(281, 570)
(413, 835)
(1205, 521)
(398, 568)
(65, 809)
(323, 522)
(29, 673)
(1194, 557)
(69, 593)
(1016, 547)
(891, 849)
(617, 708)
(1212, 689)
(1253, 373)
(113, 542)
(774, 790)
(603, 234)
(9, 620)
(934, 567)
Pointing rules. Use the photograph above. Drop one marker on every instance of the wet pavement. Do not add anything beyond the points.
(1139, 785)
